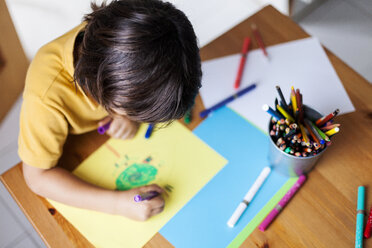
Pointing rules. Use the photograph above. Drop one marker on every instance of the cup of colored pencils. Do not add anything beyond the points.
(299, 134)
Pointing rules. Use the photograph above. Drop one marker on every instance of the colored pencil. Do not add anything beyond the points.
(312, 134)
(300, 105)
(243, 58)
(282, 203)
(298, 99)
(276, 103)
(304, 135)
(272, 112)
(321, 121)
(285, 114)
(332, 131)
(329, 127)
(320, 132)
(240, 93)
(310, 125)
(293, 101)
(283, 102)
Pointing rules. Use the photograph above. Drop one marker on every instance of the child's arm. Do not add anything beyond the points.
(60, 185)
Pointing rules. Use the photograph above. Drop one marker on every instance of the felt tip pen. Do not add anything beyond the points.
(149, 131)
(360, 218)
(104, 128)
(279, 207)
(146, 196)
(187, 118)
(367, 230)
(259, 39)
(240, 93)
(243, 58)
(248, 197)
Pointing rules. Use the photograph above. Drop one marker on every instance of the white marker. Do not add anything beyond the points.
(248, 197)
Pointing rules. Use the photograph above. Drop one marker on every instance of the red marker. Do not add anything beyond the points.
(367, 231)
(259, 40)
(246, 43)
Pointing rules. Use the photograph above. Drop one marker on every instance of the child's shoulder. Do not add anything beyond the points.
(52, 64)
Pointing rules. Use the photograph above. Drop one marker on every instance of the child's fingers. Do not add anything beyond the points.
(119, 132)
(129, 132)
(104, 121)
(156, 202)
(152, 187)
(156, 211)
(125, 133)
(114, 127)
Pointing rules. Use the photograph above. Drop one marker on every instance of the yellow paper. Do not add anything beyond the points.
(172, 156)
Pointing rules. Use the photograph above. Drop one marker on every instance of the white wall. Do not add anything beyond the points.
(40, 21)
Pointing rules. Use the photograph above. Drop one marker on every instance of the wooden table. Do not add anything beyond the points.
(323, 212)
(13, 62)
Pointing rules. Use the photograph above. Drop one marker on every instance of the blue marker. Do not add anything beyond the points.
(149, 131)
(206, 112)
(360, 218)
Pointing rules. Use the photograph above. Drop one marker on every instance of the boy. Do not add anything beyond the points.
(131, 61)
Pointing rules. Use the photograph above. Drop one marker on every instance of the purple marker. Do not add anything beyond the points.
(104, 128)
(146, 196)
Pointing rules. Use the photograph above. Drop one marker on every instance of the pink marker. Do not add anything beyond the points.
(271, 216)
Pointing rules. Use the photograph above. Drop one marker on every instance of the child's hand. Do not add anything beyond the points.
(120, 127)
(143, 210)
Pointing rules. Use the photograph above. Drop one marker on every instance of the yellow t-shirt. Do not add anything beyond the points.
(53, 106)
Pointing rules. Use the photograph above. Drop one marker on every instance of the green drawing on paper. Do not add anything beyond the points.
(136, 175)
(148, 159)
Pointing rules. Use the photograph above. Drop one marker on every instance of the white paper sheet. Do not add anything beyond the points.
(301, 63)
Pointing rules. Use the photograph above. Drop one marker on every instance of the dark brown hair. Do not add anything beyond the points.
(141, 57)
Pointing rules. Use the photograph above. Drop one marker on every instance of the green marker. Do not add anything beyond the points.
(187, 118)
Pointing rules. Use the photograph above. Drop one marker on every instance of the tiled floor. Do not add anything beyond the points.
(343, 26)
(15, 229)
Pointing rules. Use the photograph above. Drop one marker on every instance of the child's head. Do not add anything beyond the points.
(139, 57)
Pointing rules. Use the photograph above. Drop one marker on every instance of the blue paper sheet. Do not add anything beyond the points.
(202, 221)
